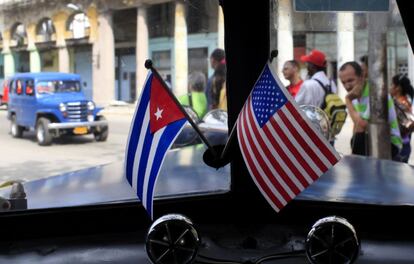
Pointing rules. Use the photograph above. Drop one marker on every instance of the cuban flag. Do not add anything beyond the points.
(156, 123)
(282, 150)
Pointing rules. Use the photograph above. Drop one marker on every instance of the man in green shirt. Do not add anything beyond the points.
(196, 98)
(357, 103)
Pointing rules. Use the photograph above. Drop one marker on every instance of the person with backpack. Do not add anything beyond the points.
(358, 105)
(320, 91)
(313, 90)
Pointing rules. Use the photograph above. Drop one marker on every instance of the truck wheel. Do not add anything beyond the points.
(43, 136)
(101, 133)
(15, 130)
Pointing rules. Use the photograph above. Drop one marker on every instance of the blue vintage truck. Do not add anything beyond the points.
(52, 104)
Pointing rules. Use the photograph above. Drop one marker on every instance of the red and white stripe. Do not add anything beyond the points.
(286, 155)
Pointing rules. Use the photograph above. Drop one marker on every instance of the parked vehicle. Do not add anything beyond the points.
(52, 104)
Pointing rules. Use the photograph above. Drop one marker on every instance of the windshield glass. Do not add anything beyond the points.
(58, 87)
(106, 43)
(324, 40)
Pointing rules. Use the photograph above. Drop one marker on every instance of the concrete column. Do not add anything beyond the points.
(103, 61)
(59, 21)
(141, 50)
(35, 62)
(284, 36)
(180, 63)
(64, 59)
(379, 128)
(410, 58)
(220, 18)
(9, 66)
(345, 44)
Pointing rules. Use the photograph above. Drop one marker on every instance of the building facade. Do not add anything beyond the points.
(108, 41)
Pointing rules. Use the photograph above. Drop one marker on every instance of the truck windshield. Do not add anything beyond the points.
(58, 87)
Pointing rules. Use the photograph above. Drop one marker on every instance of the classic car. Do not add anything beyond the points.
(52, 104)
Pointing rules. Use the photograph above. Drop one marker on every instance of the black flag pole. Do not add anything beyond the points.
(224, 159)
(149, 66)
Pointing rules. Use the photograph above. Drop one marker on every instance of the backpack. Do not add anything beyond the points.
(334, 107)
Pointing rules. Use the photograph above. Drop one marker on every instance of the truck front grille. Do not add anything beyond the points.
(77, 111)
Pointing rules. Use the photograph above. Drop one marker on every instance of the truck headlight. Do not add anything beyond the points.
(91, 106)
(62, 107)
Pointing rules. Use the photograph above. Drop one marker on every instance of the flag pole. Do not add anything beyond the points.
(273, 54)
(149, 66)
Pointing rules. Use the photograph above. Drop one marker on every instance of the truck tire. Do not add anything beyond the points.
(15, 130)
(101, 134)
(43, 136)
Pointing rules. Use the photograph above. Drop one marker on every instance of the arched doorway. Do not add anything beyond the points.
(18, 46)
(45, 43)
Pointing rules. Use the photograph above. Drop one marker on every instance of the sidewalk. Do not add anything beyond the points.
(343, 139)
(342, 142)
(119, 108)
(343, 145)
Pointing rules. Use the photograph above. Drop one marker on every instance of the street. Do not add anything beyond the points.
(24, 159)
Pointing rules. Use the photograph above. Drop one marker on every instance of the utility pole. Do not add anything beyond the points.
(379, 128)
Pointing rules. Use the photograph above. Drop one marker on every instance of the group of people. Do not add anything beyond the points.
(354, 77)
(204, 95)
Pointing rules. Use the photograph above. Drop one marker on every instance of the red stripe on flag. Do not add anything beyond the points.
(283, 156)
(256, 174)
(263, 164)
(328, 154)
(279, 151)
(295, 152)
(302, 142)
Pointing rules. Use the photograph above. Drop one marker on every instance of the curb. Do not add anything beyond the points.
(127, 109)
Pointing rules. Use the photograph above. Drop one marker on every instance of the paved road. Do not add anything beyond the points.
(24, 159)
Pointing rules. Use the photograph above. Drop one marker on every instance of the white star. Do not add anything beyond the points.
(158, 114)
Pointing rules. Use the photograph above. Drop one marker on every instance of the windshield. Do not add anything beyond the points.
(320, 40)
(107, 43)
(58, 87)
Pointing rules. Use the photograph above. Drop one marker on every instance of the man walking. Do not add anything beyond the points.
(312, 91)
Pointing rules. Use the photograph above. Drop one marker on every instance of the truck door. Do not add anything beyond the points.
(28, 103)
(16, 100)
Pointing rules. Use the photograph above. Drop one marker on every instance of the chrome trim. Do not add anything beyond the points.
(77, 124)
(73, 103)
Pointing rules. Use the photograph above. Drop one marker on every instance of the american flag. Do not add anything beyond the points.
(283, 152)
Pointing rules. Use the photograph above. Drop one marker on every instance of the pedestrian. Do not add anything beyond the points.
(216, 82)
(312, 91)
(291, 73)
(357, 103)
(402, 91)
(218, 88)
(196, 97)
